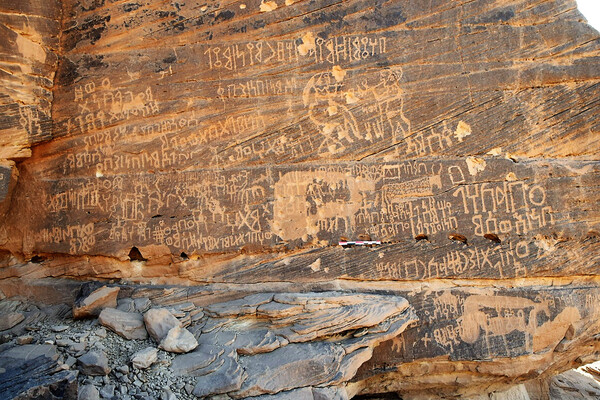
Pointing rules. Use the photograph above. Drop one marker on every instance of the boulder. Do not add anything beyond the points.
(159, 321)
(95, 302)
(144, 358)
(93, 363)
(178, 340)
(130, 325)
(88, 392)
(576, 384)
(9, 320)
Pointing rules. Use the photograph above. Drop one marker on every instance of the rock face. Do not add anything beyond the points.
(299, 171)
(274, 343)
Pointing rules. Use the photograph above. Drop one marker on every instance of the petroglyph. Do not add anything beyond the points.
(307, 203)
(368, 109)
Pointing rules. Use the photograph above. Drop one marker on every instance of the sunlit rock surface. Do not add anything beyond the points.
(210, 157)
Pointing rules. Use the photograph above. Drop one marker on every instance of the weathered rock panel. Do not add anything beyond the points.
(236, 145)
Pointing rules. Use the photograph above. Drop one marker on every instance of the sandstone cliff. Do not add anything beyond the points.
(442, 153)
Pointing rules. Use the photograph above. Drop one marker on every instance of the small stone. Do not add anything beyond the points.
(70, 361)
(126, 304)
(9, 320)
(63, 367)
(94, 363)
(59, 328)
(178, 340)
(88, 392)
(64, 342)
(77, 347)
(107, 391)
(92, 304)
(25, 339)
(189, 389)
(142, 304)
(31, 328)
(99, 346)
(124, 369)
(144, 358)
(100, 332)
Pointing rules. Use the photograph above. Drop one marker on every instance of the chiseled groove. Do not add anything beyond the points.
(425, 129)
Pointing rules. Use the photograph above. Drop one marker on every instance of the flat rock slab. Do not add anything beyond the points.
(289, 367)
(29, 352)
(246, 355)
(227, 378)
(203, 361)
(9, 320)
(32, 372)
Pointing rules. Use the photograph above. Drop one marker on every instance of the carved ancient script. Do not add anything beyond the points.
(209, 210)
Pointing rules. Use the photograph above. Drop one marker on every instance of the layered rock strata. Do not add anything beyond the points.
(203, 153)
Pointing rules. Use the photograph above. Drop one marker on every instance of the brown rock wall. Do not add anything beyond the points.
(226, 148)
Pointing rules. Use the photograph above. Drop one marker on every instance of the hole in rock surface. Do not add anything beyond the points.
(383, 396)
(37, 259)
(135, 255)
